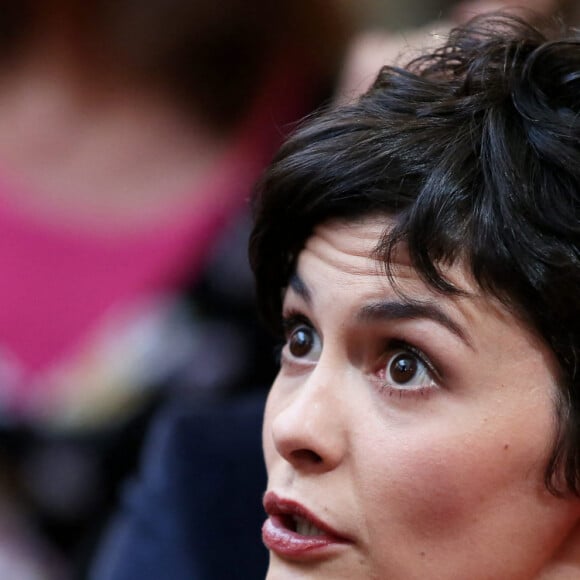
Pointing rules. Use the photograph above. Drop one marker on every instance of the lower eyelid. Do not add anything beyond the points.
(294, 366)
(386, 389)
(392, 392)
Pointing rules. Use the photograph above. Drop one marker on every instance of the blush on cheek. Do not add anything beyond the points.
(439, 491)
(428, 496)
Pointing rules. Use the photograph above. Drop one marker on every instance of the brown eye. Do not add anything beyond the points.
(408, 371)
(303, 346)
(402, 368)
(300, 341)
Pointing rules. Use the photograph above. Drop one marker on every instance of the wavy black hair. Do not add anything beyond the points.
(474, 149)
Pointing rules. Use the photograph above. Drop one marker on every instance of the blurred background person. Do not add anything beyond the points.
(130, 136)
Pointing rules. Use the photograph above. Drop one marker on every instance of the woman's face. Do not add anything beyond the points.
(406, 438)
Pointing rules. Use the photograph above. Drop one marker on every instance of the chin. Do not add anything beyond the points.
(284, 570)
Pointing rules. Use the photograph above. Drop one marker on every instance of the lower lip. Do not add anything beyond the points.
(284, 542)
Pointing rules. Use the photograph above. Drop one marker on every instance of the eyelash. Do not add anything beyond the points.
(386, 388)
(291, 320)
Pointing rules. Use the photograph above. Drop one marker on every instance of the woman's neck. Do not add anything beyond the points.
(565, 565)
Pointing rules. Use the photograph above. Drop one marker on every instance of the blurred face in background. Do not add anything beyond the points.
(407, 433)
(215, 58)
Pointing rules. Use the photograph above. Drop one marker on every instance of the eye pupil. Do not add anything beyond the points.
(403, 368)
(300, 342)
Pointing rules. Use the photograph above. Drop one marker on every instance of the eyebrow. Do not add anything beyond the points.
(299, 287)
(393, 310)
(411, 310)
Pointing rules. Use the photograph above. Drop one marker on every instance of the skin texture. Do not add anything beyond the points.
(437, 477)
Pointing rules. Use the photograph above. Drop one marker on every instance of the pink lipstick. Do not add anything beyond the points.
(292, 531)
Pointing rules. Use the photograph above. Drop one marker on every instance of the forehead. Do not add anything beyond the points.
(337, 274)
(348, 248)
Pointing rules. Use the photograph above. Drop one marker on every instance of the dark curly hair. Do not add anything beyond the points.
(474, 149)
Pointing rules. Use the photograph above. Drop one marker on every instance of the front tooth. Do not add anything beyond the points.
(306, 528)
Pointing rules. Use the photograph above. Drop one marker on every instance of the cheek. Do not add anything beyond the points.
(416, 487)
(435, 483)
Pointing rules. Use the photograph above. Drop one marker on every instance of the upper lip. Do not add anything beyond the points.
(277, 506)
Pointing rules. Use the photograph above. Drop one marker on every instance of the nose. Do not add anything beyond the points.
(308, 426)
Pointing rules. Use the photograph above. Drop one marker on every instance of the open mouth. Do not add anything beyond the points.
(292, 531)
(300, 525)
(297, 520)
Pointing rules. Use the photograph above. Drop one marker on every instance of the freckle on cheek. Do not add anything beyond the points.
(506, 446)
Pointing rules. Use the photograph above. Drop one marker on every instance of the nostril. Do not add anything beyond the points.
(306, 456)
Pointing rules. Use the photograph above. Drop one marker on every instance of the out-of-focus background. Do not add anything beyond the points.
(398, 14)
(404, 14)
(131, 134)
